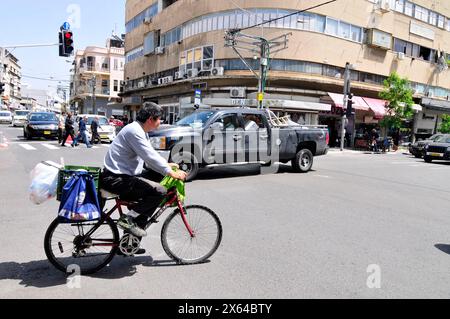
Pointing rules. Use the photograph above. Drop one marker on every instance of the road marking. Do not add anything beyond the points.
(27, 147)
(50, 147)
(323, 176)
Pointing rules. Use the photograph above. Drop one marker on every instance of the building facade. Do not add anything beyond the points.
(10, 75)
(98, 79)
(174, 48)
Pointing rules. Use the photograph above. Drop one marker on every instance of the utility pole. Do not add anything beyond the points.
(94, 84)
(347, 89)
(258, 45)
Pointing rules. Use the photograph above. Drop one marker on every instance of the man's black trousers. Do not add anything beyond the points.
(141, 189)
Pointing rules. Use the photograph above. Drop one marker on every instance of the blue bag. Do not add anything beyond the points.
(79, 199)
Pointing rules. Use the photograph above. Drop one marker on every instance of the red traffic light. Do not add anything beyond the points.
(68, 35)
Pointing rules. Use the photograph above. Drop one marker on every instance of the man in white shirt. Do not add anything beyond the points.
(124, 173)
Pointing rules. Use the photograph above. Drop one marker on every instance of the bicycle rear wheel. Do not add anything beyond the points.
(178, 243)
(66, 244)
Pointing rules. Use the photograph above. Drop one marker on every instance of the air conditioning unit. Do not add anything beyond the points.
(160, 81)
(384, 6)
(179, 75)
(218, 71)
(148, 20)
(192, 73)
(237, 92)
(400, 56)
(141, 84)
(159, 50)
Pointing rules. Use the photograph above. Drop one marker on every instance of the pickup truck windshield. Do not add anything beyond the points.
(198, 119)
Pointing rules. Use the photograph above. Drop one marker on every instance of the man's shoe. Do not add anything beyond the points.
(127, 224)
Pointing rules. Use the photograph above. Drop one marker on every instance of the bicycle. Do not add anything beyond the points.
(192, 239)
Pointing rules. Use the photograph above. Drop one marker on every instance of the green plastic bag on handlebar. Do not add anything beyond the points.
(169, 183)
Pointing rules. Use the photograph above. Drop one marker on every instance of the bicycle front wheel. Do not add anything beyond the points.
(69, 245)
(184, 248)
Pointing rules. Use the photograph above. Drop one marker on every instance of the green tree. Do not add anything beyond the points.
(445, 125)
(397, 91)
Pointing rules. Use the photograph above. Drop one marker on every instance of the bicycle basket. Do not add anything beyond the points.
(66, 173)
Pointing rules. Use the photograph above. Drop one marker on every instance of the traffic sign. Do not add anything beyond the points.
(198, 97)
(65, 26)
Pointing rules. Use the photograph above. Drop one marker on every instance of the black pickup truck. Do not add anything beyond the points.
(239, 136)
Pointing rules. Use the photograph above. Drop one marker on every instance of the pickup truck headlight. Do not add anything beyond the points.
(158, 143)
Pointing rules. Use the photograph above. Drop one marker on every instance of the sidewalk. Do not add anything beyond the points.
(401, 150)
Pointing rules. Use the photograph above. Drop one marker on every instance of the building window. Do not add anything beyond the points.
(201, 58)
(332, 26)
(116, 85)
(421, 13)
(441, 21)
(400, 6)
(409, 8)
(149, 43)
(433, 18)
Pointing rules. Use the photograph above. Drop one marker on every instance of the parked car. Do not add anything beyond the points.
(106, 131)
(417, 148)
(20, 117)
(238, 136)
(41, 124)
(5, 117)
(438, 150)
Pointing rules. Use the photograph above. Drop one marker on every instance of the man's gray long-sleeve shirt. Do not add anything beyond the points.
(130, 149)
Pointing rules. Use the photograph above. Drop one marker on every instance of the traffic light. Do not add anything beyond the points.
(350, 105)
(2, 88)
(66, 43)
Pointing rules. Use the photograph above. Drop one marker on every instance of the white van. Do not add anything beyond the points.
(106, 131)
(20, 117)
(5, 117)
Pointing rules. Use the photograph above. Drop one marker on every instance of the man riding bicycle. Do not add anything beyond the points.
(124, 172)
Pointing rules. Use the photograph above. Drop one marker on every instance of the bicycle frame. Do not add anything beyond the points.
(167, 202)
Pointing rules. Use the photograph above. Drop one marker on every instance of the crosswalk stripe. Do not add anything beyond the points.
(50, 147)
(28, 147)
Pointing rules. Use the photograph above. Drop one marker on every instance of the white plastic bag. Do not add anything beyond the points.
(44, 182)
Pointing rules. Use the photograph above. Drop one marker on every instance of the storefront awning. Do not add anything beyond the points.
(377, 106)
(358, 102)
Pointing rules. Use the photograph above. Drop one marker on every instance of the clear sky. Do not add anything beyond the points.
(36, 22)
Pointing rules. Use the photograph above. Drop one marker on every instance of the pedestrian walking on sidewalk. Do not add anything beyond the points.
(94, 130)
(69, 130)
(83, 133)
(62, 120)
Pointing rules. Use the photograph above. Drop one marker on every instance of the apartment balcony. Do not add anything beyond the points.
(94, 69)
(87, 91)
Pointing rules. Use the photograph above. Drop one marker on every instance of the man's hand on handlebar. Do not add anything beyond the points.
(173, 165)
(178, 175)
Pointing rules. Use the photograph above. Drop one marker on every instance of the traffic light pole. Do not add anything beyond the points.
(345, 105)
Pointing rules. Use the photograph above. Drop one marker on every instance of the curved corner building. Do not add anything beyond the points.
(175, 48)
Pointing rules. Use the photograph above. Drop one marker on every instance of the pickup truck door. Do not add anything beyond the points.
(256, 137)
(228, 142)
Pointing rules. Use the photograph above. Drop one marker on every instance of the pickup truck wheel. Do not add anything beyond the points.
(188, 164)
(428, 159)
(303, 161)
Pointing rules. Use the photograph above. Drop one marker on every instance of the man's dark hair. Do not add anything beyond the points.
(149, 110)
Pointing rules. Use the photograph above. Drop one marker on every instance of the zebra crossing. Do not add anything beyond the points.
(51, 147)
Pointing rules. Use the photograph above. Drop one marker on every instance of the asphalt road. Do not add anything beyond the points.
(357, 222)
